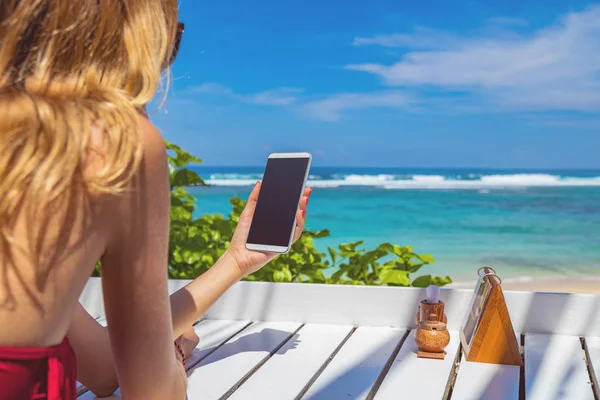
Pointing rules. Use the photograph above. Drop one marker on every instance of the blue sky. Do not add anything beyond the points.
(501, 84)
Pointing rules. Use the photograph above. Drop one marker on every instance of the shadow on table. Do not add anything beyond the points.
(262, 341)
(499, 386)
(356, 380)
(551, 317)
(362, 378)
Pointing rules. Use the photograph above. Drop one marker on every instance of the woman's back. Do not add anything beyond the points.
(83, 177)
(39, 292)
(51, 256)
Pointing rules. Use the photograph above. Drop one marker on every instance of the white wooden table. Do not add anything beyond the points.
(298, 341)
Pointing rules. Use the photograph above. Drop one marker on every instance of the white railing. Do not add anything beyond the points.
(549, 313)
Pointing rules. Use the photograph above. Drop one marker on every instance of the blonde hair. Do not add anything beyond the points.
(67, 67)
(64, 66)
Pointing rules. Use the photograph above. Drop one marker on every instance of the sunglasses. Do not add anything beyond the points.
(178, 36)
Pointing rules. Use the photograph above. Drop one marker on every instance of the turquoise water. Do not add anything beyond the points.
(524, 224)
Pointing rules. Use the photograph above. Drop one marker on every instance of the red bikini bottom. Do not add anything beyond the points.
(38, 373)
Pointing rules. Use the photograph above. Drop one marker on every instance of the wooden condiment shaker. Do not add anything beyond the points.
(432, 334)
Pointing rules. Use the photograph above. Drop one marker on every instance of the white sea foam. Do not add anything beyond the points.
(423, 181)
(231, 182)
(518, 179)
(233, 177)
(367, 179)
(497, 182)
(428, 178)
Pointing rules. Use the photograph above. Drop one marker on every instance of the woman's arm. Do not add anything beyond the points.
(134, 281)
(95, 365)
(90, 340)
(189, 303)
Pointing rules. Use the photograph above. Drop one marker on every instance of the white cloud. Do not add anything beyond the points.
(421, 38)
(324, 107)
(277, 97)
(212, 88)
(556, 68)
(332, 107)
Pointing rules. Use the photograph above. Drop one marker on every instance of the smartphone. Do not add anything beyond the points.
(274, 222)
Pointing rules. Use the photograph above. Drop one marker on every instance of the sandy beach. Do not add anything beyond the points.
(569, 285)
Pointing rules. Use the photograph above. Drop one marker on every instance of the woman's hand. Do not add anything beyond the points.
(249, 261)
(188, 341)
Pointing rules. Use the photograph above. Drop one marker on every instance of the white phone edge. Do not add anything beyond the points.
(292, 155)
(281, 249)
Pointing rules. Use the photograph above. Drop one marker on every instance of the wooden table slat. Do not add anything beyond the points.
(593, 348)
(418, 377)
(555, 368)
(212, 334)
(233, 361)
(287, 371)
(477, 381)
(355, 368)
(487, 381)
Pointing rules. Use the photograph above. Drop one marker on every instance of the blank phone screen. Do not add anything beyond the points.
(277, 205)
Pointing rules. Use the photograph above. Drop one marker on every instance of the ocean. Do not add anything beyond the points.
(526, 224)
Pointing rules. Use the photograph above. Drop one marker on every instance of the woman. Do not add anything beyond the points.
(84, 177)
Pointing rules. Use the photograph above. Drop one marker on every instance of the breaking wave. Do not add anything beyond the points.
(387, 181)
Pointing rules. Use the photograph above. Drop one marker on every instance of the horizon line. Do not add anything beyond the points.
(405, 167)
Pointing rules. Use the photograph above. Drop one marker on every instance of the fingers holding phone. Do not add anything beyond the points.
(275, 213)
(281, 204)
(301, 215)
(248, 213)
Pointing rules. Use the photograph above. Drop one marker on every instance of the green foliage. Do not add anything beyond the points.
(197, 243)
(388, 264)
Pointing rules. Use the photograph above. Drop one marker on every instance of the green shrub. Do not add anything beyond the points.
(197, 243)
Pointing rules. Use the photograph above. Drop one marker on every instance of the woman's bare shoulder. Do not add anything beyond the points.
(153, 172)
(153, 149)
(147, 195)
(148, 185)
(154, 144)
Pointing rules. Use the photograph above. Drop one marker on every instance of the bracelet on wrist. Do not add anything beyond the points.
(180, 351)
